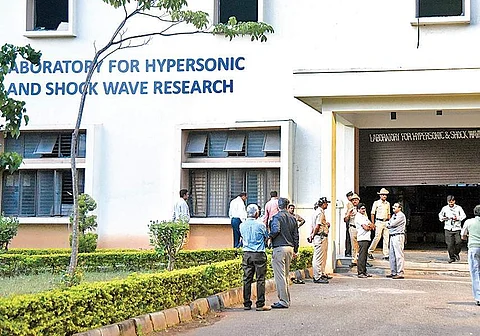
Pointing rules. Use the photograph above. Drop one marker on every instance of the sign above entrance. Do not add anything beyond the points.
(423, 135)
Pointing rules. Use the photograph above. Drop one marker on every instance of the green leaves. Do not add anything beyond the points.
(8, 230)
(256, 30)
(168, 238)
(10, 161)
(14, 110)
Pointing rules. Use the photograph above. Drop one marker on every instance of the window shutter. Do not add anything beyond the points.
(15, 145)
(236, 182)
(256, 188)
(235, 143)
(65, 144)
(31, 142)
(216, 144)
(196, 143)
(255, 144)
(10, 194)
(217, 193)
(198, 190)
(272, 142)
(82, 145)
(27, 193)
(273, 180)
(45, 201)
(46, 144)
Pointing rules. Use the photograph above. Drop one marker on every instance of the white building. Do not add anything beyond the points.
(343, 96)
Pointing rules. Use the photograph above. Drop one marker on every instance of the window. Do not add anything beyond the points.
(50, 18)
(32, 145)
(431, 8)
(245, 10)
(442, 12)
(221, 144)
(30, 193)
(213, 189)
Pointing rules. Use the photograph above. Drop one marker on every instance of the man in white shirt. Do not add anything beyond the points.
(237, 214)
(181, 212)
(452, 216)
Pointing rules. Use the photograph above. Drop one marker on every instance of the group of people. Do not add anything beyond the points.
(279, 226)
(387, 226)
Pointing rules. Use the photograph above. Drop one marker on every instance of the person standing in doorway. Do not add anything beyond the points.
(348, 242)
(237, 214)
(452, 216)
(181, 212)
(271, 208)
(471, 231)
(396, 228)
(254, 261)
(380, 216)
(284, 237)
(363, 226)
(319, 237)
(350, 219)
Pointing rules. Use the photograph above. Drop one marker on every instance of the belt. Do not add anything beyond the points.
(352, 225)
(396, 234)
(322, 235)
(381, 219)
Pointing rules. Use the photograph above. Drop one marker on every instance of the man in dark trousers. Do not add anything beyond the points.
(254, 262)
(284, 236)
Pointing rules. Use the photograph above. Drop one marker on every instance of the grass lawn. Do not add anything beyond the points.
(26, 284)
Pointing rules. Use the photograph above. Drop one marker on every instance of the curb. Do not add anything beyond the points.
(158, 321)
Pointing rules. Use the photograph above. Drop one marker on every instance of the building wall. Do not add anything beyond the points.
(132, 137)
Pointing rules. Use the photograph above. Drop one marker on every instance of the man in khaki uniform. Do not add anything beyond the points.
(380, 216)
(350, 219)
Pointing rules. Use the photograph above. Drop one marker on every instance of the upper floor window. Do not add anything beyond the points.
(34, 145)
(233, 143)
(245, 10)
(50, 18)
(442, 11)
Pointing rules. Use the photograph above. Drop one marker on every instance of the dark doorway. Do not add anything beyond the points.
(422, 205)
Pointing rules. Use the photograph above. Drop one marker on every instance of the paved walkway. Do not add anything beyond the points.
(430, 304)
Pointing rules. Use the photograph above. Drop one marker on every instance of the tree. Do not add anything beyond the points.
(12, 110)
(168, 238)
(168, 14)
(86, 224)
(8, 230)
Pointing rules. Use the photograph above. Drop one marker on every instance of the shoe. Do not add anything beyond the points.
(247, 308)
(264, 308)
(368, 264)
(477, 303)
(298, 281)
(362, 276)
(390, 275)
(278, 305)
(398, 276)
(451, 260)
(320, 280)
(348, 255)
(457, 257)
(385, 258)
(368, 275)
(326, 276)
(370, 256)
(353, 264)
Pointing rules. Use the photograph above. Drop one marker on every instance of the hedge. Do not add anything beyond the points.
(20, 264)
(92, 305)
(32, 251)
